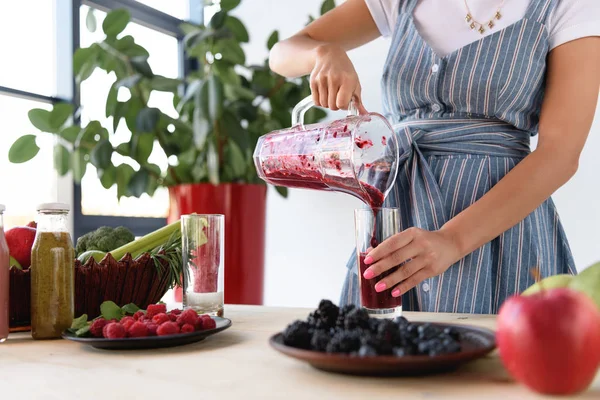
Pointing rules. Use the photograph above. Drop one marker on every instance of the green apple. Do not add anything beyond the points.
(96, 254)
(588, 282)
(551, 282)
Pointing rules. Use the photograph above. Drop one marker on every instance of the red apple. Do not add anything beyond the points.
(550, 341)
(20, 241)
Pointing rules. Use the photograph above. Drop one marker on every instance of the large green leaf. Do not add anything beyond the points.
(229, 5)
(327, 6)
(124, 174)
(274, 38)
(115, 22)
(232, 128)
(138, 184)
(164, 84)
(227, 74)
(119, 112)
(212, 164)
(140, 64)
(215, 97)
(79, 164)
(129, 82)
(59, 115)
(41, 119)
(23, 149)
(71, 133)
(239, 92)
(190, 91)
(237, 28)
(142, 146)
(101, 154)
(147, 119)
(85, 61)
(231, 51)
(91, 134)
(201, 127)
(236, 160)
(283, 191)
(111, 100)
(127, 46)
(218, 20)
(62, 159)
(90, 20)
(108, 176)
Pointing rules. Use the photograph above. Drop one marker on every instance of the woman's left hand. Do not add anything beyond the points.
(428, 254)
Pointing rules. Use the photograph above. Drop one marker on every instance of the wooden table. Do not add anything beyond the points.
(235, 364)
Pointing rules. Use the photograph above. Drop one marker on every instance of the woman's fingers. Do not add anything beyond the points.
(314, 88)
(344, 96)
(410, 282)
(401, 274)
(390, 245)
(394, 259)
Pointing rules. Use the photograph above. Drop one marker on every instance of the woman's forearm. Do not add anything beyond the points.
(295, 56)
(512, 199)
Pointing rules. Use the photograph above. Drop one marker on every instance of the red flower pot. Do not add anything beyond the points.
(244, 207)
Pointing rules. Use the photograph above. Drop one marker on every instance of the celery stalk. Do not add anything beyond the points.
(147, 242)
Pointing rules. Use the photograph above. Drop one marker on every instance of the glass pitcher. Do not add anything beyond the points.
(357, 155)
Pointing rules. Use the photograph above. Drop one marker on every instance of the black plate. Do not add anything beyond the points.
(476, 343)
(151, 342)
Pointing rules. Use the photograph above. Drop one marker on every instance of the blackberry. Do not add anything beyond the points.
(297, 334)
(428, 331)
(315, 322)
(373, 324)
(320, 340)
(377, 343)
(342, 314)
(403, 351)
(344, 342)
(452, 332)
(388, 332)
(358, 318)
(401, 322)
(328, 312)
(366, 351)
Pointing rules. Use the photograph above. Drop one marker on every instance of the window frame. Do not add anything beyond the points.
(67, 36)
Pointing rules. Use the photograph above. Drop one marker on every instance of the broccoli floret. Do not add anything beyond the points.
(104, 239)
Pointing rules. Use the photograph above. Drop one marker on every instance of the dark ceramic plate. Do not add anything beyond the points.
(152, 342)
(476, 343)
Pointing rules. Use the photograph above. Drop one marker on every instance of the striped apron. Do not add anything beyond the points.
(463, 122)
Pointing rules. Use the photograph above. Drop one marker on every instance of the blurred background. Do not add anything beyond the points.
(309, 235)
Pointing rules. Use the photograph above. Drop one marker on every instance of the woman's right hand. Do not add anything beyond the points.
(333, 80)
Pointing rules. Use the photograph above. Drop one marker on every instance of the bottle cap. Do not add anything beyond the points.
(53, 207)
(2, 208)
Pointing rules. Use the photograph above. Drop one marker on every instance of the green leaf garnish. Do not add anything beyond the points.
(110, 310)
(79, 323)
(83, 331)
(130, 308)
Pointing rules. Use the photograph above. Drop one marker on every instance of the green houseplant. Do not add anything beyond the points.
(223, 106)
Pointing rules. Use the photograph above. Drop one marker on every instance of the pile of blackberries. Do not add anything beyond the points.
(349, 330)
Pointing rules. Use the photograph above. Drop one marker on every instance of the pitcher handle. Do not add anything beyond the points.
(307, 103)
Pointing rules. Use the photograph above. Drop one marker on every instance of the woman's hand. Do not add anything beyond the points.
(333, 80)
(426, 254)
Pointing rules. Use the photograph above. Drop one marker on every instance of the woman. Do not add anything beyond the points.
(465, 94)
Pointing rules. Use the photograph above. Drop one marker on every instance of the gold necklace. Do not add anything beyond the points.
(473, 23)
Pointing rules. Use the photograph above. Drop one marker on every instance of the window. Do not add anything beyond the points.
(177, 8)
(164, 60)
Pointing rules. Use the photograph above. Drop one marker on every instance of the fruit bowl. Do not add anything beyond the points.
(125, 281)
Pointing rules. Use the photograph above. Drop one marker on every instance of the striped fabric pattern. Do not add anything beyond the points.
(463, 122)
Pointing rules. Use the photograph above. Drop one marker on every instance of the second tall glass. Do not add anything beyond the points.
(373, 226)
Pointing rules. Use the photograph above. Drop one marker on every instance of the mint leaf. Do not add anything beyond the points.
(83, 331)
(110, 310)
(130, 308)
(79, 323)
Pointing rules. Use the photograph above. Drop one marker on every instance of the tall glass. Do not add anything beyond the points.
(373, 226)
(4, 278)
(203, 245)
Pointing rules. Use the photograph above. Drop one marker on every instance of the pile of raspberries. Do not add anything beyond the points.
(156, 321)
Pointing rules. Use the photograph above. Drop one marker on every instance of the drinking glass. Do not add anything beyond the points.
(203, 262)
(373, 226)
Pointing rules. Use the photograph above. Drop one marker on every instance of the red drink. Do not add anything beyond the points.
(369, 298)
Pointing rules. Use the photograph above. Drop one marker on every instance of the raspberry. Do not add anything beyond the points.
(104, 328)
(97, 327)
(152, 327)
(187, 328)
(176, 311)
(138, 315)
(154, 309)
(138, 329)
(127, 322)
(173, 317)
(208, 323)
(115, 330)
(198, 325)
(159, 319)
(189, 316)
(167, 328)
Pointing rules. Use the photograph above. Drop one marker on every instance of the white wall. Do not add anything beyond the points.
(310, 235)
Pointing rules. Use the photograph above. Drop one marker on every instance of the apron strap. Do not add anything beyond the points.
(538, 10)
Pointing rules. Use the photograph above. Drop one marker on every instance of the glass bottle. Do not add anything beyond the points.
(4, 279)
(52, 273)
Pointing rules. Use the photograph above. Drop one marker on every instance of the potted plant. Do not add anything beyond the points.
(223, 107)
